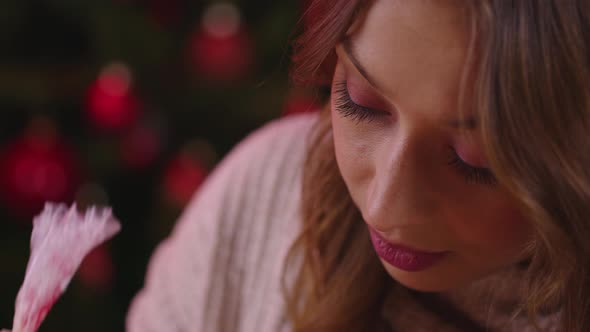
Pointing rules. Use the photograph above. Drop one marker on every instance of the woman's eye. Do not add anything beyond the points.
(471, 174)
(349, 109)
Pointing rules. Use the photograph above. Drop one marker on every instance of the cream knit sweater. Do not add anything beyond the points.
(220, 269)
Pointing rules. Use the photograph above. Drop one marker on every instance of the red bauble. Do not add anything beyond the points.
(35, 168)
(221, 58)
(221, 49)
(183, 175)
(111, 103)
(97, 271)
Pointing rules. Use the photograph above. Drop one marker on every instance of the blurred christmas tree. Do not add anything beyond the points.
(128, 103)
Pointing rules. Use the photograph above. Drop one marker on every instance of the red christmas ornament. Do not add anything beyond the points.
(221, 49)
(36, 168)
(183, 175)
(97, 271)
(111, 104)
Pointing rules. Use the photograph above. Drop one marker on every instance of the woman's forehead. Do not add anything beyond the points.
(433, 23)
(414, 49)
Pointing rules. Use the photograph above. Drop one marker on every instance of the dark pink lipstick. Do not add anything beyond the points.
(402, 257)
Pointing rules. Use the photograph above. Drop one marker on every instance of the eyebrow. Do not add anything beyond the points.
(469, 123)
(350, 53)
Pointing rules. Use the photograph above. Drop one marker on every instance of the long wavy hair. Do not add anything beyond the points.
(530, 86)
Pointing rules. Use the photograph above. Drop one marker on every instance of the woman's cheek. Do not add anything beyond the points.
(353, 156)
(502, 233)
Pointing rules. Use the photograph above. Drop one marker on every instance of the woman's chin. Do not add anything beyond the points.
(430, 280)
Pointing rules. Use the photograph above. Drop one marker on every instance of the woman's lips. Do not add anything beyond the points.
(402, 257)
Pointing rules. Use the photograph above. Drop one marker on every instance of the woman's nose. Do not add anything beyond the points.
(398, 194)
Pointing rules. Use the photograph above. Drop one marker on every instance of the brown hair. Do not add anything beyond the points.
(530, 63)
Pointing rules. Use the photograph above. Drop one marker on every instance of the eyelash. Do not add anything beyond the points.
(471, 174)
(349, 109)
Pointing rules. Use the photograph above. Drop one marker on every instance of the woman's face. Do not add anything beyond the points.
(419, 181)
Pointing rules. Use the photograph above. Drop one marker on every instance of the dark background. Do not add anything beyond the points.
(127, 103)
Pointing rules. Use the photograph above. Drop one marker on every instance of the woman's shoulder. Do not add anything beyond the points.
(253, 211)
(220, 268)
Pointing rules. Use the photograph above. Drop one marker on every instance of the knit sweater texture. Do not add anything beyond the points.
(220, 269)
